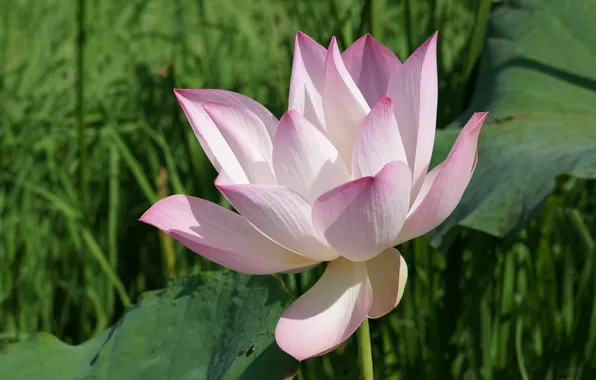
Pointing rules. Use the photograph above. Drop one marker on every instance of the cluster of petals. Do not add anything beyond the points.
(341, 178)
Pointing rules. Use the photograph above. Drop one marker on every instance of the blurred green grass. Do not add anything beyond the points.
(72, 260)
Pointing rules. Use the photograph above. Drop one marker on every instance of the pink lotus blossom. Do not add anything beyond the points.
(342, 178)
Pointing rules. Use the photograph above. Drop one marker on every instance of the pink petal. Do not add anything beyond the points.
(303, 158)
(378, 142)
(363, 217)
(207, 133)
(451, 180)
(388, 274)
(345, 107)
(306, 84)
(328, 313)
(429, 179)
(247, 136)
(282, 215)
(371, 65)
(413, 90)
(221, 235)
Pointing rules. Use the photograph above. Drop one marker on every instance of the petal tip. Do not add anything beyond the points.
(386, 101)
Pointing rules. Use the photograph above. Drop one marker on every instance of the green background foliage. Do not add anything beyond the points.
(91, 136)
(211, 326)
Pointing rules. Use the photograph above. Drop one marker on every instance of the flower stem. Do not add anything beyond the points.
(365, 351)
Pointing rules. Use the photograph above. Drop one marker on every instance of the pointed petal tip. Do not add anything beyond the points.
(386, 101)
(333, 43)
(301, 35)
(181, 92)
(291, 115)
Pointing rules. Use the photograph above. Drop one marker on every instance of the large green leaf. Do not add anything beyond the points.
(214, 326)
(538, 80)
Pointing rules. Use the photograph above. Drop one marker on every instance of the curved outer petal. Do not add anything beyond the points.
(328, 313)
(247, 136)
(388, 274)
(371, 65)
(378, 142)
(211, 140)
(413, 90)
(345, 107)
(221, 236)
(303, 158)
(363, 217)
(451, 180)
(429, 179)
(306, 84)
(282, 215)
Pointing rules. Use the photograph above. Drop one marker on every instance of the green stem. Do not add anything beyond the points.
(365, 351)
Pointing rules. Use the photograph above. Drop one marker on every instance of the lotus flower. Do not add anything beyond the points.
(341, 178)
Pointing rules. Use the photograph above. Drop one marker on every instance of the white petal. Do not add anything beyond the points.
(378, 141)
(345, 107)
(221, 235)
(328, 313)
(282, 215)
(414, 91)
(247, 136)
(388, 274)
(306, 84)
(442, 194)
(363, 217)
(212, 142)
(303, 158)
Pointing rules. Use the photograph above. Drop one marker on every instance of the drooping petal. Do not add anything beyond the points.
(451, 180)
(371, 65)
(221, 236)
(212, 142)
(306, 84)
(328, 313)
(363, 217)
(247, 136)
(282, 215)
(378, 142)
(413, 89)
(303, 158)
(388, 274)
(345, 107)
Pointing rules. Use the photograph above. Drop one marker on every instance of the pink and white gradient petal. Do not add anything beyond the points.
(222, 236)
(345, 107)
(371, 65)
(281, 214)
(306, 83)
(388, 274)
(414, 91)
(212, 142)
(378, 142)
(451, 180)
(303, 158)
(247, 136)
(363, 217)
(328, 313)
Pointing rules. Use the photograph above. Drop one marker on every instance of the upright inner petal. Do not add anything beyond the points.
(345, 107)
(414, 91)
(306, 84)
(304, 159)
(247, 136)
